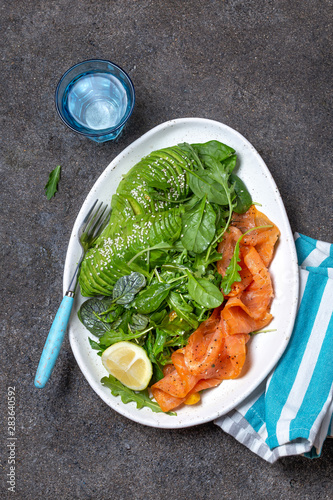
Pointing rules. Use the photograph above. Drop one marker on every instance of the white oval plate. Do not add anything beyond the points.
(263, 350)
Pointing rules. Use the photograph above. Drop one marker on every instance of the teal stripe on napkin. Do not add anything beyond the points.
(254, 414)
(303, 248)
(316, 394)
(283, 405)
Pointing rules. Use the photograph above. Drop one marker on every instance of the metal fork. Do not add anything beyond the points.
(92, 226)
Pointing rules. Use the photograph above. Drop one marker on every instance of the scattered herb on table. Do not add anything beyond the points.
(52, 184)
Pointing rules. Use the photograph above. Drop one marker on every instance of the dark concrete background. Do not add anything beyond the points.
(262, 67)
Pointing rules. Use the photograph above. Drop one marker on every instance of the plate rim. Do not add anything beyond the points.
(98, 388)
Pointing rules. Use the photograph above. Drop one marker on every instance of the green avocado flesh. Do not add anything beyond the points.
(145, 214)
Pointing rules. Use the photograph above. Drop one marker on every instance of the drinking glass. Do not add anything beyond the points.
(95, 98)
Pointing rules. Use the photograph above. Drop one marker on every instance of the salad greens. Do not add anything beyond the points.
(155, 263)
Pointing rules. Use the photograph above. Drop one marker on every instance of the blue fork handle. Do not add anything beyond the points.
(53, 342)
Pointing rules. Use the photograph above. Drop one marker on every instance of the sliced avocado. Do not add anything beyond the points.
(88, 286)
(99, 283)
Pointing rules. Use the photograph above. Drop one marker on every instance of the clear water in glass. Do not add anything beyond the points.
(95, 101)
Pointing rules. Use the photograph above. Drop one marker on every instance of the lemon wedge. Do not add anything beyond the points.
(129, 363)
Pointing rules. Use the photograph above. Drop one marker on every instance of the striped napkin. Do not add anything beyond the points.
(290, 413)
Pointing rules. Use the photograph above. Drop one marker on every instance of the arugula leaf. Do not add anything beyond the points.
(176, 327)
(198, 227)
(52, 184)
(123, 321)
(232, 272)
(201, 264)
(141, 399)
(94, 345)
(182, 309)
(112, 337)
(127, 287)
(262, 331)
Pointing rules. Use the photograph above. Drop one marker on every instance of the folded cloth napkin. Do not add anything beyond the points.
(290, 413)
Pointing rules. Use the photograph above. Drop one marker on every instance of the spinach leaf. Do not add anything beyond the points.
(127, 287)
(219, 161)
(200, 181)
(158, 316)
(213, 149)
(198, 227)
(243, 197)
(141, 399)
(202, 184)
(52, 184)
(123, 321)
(152, 297)
(89, 315)
(204, 292)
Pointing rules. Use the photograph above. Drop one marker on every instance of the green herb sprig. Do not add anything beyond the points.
(52, 184)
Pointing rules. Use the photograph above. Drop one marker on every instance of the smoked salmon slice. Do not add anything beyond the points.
(264, 240)
(239, 321)
(204, 346)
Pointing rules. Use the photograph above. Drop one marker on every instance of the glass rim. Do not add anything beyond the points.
(103, 132)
